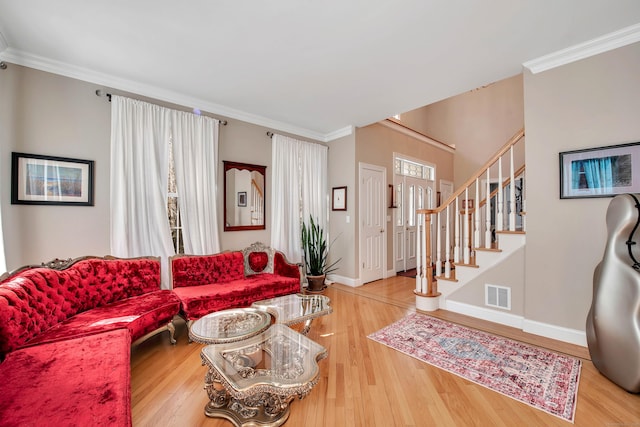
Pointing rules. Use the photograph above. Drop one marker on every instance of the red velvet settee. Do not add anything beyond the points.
(208, 283)
(65, 335)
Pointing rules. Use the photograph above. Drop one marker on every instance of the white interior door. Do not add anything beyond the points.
(372, 221)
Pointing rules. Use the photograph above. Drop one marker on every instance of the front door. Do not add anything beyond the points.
(413, 194)
(372, 220)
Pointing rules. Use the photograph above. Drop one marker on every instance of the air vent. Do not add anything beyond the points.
(497, 296)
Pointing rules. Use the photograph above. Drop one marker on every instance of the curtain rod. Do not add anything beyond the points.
(101, 93)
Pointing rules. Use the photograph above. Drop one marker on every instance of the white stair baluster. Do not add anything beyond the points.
(487, 231)
(456, 235)
(467, 233)
(499, 213)
(512, 194)
(476, 213)
(447, 247)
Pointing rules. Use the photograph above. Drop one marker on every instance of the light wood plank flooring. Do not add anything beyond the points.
(364, 383)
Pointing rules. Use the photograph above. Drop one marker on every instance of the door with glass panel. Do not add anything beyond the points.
(413, 190)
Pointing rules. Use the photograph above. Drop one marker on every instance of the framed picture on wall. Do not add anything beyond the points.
(339, 199)
(600, 172)
(48, 180)
(242, 198)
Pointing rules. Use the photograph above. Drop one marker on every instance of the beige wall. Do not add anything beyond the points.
(55, 116)
(590, 103)
(342, 224)
(43, 113)
(375, 145)
(477, 122)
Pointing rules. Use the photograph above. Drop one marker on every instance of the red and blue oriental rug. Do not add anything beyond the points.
(542, 379)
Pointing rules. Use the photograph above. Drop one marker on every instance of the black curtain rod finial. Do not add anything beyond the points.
(100, 92)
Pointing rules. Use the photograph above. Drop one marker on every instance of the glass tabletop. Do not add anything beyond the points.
(279, 361)
(295, 308)
(229, 325)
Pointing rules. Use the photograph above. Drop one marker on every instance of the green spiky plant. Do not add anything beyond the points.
(316, 250)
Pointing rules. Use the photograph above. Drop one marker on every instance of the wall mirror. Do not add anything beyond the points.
(244, 193)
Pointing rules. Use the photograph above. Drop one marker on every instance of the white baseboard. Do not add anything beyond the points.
(390, 273)
(503, 318)
(560, 333)
(354, 283)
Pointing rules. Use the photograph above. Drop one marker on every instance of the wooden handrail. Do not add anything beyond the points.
(512, 141)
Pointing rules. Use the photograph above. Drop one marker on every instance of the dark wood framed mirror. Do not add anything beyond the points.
(244, 196)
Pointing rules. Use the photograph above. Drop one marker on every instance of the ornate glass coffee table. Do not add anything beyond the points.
(296, 308)
(229, 326)
(252, 382)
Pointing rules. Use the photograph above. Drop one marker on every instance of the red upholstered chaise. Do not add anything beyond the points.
(208, 283)
(65, 336)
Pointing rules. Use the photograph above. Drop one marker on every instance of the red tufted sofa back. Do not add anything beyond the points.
(205, 269)
(36, 299)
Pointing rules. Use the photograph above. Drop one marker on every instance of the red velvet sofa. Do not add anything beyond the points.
(65, 335)
(208, 283)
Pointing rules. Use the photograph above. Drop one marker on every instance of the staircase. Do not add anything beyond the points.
(477, 228)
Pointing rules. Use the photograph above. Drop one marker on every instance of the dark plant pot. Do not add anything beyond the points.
(315, 283)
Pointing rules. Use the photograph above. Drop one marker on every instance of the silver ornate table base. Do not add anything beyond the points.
(260, 409)
(252, 382)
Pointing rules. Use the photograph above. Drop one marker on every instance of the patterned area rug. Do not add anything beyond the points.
(545, 380)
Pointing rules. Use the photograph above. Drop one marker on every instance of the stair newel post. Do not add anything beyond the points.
(456, 234)
(476, 211)
(499, 214)
(426, 254)
(512, 194)
(447, 246)
(419, 240)
(427, 298)
(487, 231)
(438, 238)
(467, 233)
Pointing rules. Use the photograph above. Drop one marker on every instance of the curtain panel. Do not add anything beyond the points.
(195, 149)
(140, 136)
(299, 181)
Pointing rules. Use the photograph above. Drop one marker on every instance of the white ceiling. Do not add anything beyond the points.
(310, 68)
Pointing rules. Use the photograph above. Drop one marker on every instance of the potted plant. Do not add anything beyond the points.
(316, 253)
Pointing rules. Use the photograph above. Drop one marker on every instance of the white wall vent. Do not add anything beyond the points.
(497, 296)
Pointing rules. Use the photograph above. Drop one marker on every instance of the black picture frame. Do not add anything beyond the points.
(242, 198)
(600, 171)
(49, 180)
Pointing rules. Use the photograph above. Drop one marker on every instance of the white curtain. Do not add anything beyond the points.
(313, 178)
(285, 197)
(195, 149)
(140, 135)
(299, 182)
(3, 259)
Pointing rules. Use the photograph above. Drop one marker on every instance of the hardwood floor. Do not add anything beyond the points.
(364, 383)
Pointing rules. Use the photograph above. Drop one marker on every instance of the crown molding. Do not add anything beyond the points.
(339, 133)
(399, 127)
(56, 67)
(611, 41)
